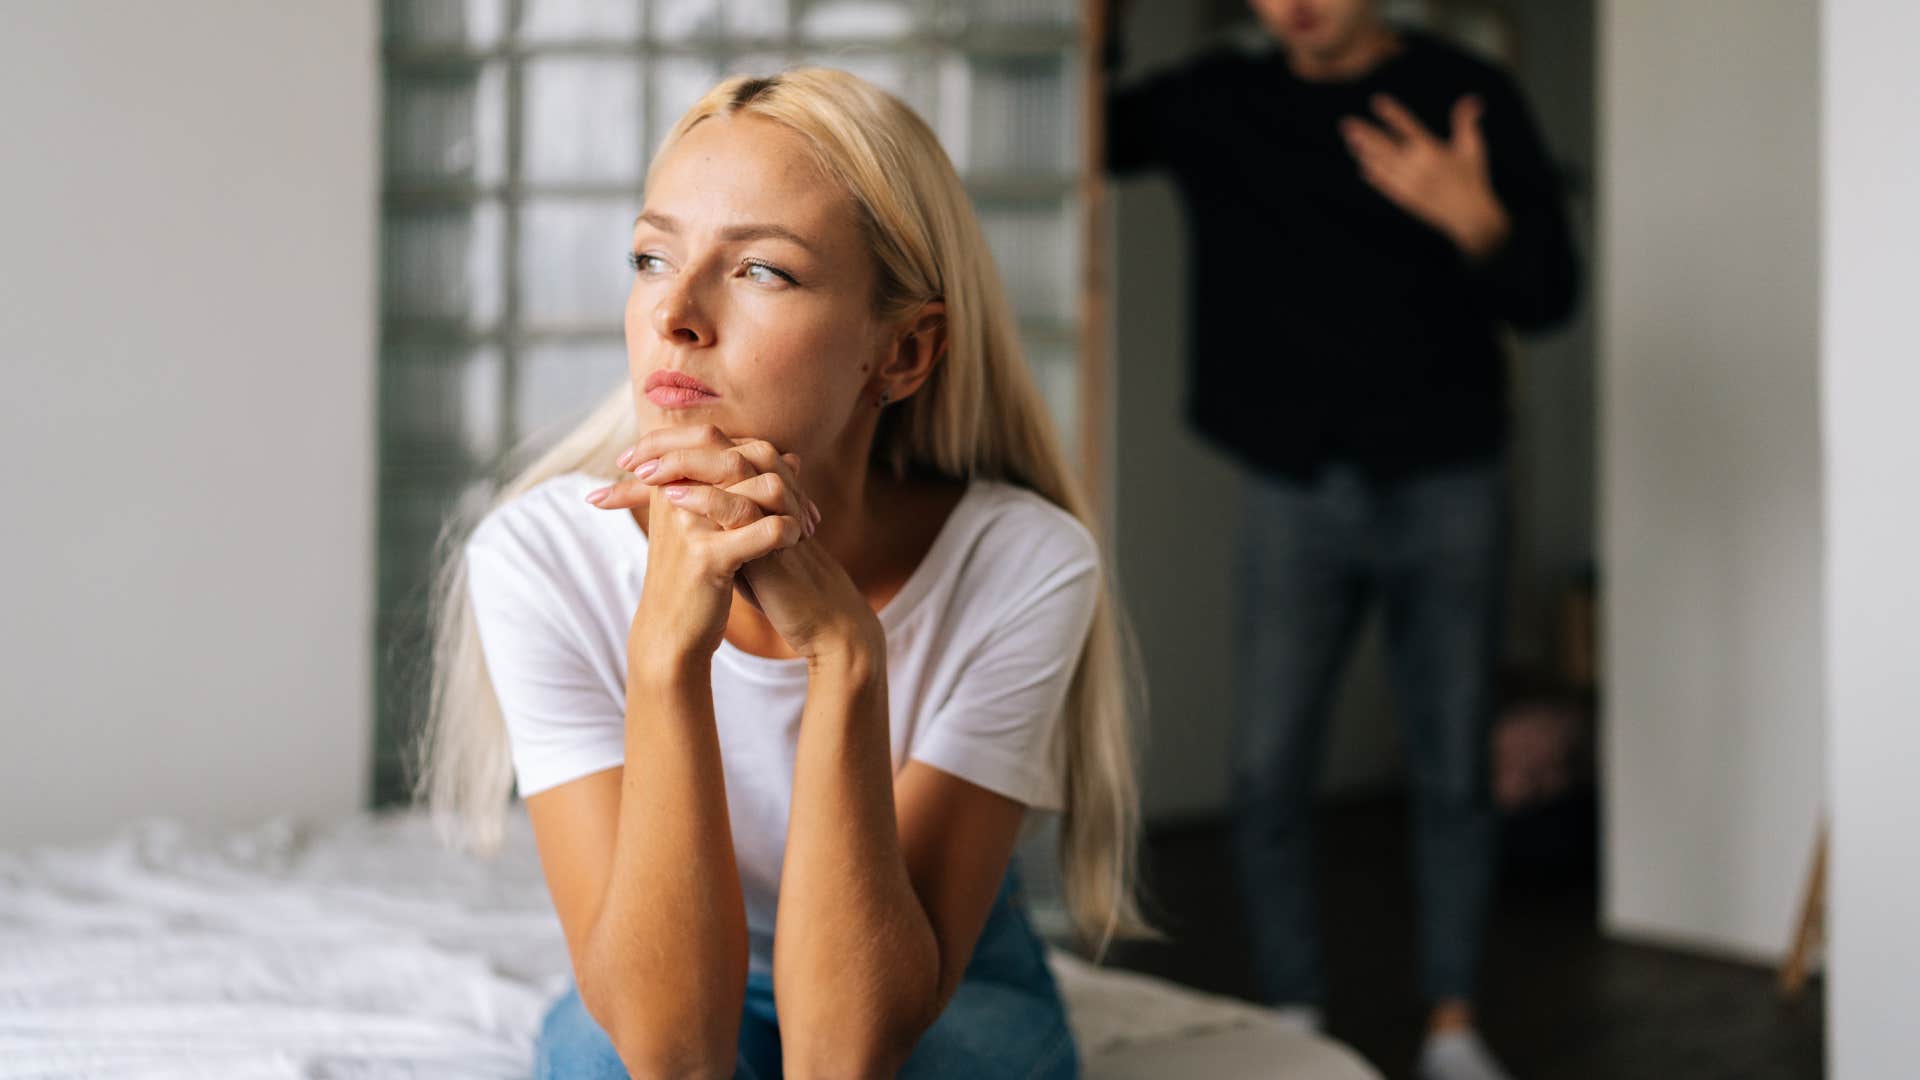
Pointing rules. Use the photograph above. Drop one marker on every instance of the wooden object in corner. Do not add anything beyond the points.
(1811, 929)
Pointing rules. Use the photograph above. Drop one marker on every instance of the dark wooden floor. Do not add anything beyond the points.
(1560, 1002)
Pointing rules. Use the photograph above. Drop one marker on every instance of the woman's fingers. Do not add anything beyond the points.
(769, 460)
(734, 548)
(728, 510)
(659, 440)
(706, 465)
(732, 467)
(772, 462)
(742, 504)
(723, 508)
(673, 437)
(621, 494)
(773, 496)
(792, 460)
(704, 453)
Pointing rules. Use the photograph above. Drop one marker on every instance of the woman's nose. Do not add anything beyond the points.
(678, 318)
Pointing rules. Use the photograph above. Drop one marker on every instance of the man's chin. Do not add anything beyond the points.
(1328, 48)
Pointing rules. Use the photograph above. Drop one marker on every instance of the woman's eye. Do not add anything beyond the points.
(762, 274)
(643, 264)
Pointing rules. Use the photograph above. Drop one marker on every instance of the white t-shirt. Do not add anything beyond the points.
(982, 641)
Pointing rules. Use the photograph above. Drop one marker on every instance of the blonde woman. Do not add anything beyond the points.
(785, 642)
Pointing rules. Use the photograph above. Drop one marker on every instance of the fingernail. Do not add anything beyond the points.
(647, 468)
(814, 509)
(626, 457)
(676, 493)
(597, 497)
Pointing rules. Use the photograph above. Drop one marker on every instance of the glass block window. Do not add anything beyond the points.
(516, 136)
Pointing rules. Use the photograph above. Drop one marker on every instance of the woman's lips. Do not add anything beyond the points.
(679, 397)
(677, 390)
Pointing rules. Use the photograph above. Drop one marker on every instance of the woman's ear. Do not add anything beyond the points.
(916, 348)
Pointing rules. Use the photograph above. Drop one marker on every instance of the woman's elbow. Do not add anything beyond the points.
(645, 1062)
(650, 1052)
(657, 1041)
(852, 1045)
(855, 1056)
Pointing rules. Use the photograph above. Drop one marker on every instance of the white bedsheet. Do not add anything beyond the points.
(361, 948)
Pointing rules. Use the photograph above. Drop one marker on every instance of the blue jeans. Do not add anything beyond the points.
(1005, 1020)
(1312, 559)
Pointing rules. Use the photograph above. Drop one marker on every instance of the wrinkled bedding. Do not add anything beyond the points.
(362, 948)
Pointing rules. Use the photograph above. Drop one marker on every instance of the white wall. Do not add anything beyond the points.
(1871, 385)
(187, 326)
(1713, 754)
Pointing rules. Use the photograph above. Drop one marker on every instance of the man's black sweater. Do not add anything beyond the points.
(1327, 322)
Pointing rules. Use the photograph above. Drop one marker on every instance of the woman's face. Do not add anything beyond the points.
(753, 278)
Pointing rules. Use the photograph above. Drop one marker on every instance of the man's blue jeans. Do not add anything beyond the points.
(1312, 560)
(1007, 1018)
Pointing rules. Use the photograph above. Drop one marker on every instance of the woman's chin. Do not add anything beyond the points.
(710, 411)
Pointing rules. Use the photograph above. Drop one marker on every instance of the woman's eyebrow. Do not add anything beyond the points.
(668, 224)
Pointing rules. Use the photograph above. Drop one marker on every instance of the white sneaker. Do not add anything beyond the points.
(1458, 1055)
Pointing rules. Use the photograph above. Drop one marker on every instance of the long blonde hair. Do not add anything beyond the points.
(980, 414)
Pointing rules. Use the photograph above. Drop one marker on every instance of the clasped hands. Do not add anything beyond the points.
(730, 514)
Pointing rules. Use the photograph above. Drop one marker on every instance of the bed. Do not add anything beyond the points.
(361, 948)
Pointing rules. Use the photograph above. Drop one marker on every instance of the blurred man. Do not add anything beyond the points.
(1368, 206)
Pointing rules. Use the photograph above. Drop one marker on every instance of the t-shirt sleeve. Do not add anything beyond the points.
(999, 727)
(563, 719)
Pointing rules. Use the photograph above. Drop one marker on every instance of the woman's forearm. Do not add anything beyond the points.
(856, 963)
(668, 949)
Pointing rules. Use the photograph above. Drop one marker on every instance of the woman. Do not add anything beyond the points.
(779, 697)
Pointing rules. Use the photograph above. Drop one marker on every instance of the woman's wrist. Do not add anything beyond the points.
(663, 665)
(851, 652)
